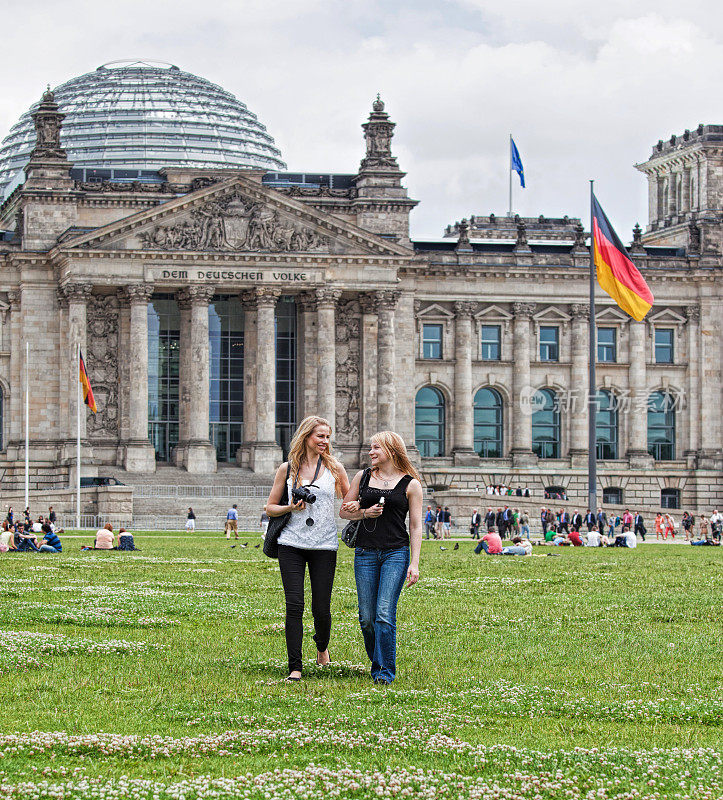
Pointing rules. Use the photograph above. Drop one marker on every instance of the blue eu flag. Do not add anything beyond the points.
(516, 162)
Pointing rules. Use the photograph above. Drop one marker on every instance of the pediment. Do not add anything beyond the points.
(612, 315)
(435, 312)
(493, 313)
(551, 314)
(238, 215)
(666, 317)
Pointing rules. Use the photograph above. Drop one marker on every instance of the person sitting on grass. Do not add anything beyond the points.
(7, 537)
(50, 543)
(104, 538)
(574, 538)
(491, 543)
(25, 540)
(519, 547)
(593, 538)
(125, 540)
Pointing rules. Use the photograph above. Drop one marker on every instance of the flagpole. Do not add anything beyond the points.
(27, 424)
(509, 169)
(77, 456)
(592, 386)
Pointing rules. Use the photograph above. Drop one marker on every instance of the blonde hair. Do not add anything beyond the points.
(393, 445)
(297, 449)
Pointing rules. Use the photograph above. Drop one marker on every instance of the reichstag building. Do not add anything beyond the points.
(218, 298)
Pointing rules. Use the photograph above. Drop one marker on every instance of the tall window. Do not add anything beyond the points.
(607, 346)
(431, 341)
(549, 343)
(661, 426)
(490, 341)
(670, 498)
(286, 372)
(546, 424)
(429, 412)
(606, 425)
(226, 390)
(488, 423)
(164, 342)
(663, 345)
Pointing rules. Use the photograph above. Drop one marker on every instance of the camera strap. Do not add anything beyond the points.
(316, 475)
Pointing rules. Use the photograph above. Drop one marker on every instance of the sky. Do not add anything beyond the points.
(585, 88)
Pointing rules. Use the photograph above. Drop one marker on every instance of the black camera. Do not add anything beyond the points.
(303, 493)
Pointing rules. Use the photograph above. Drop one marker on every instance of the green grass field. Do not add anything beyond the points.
(591, 674)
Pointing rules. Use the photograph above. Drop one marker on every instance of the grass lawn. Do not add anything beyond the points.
(586, 673)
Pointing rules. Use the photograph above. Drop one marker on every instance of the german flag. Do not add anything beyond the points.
(88, 398)
(616, 273)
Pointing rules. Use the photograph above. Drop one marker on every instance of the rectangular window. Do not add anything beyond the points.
(491, 339)
(663, 345)
(549, 343)
(431, 341)
(607, 346)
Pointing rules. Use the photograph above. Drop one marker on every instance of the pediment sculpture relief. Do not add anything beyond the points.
(234, 223)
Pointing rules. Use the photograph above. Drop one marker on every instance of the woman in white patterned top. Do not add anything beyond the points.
(310, 537)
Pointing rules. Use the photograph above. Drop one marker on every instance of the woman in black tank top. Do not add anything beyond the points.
(386, 553)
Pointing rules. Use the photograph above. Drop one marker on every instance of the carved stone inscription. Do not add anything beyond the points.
(348, 357)
(234, 223)
(102, 360)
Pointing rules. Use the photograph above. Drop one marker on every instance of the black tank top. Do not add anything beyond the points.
(389, 531)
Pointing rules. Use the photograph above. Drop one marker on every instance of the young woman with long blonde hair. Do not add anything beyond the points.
(386, 553)
(310, 537)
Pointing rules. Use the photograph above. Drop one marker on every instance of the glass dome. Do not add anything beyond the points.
(145, 115)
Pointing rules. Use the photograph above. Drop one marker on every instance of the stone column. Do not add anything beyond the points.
(326, 300)
(369, 332)
(140, 456)
(522, 455)
(17, 359)
(579, 385)
(265, 453)
(243, 454)
(463, 431)
(693, 385)
(406, 376)
(199, 453)
(386, 393)
(710, 455)
(638, 382)
(77, 295)
(308, 363)
(184, 376)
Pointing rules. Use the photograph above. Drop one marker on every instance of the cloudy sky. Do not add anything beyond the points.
(586, 88)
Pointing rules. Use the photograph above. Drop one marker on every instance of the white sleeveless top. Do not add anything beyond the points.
(322, 535)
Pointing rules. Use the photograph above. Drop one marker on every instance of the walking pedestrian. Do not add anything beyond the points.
(232, 521)
(310, 537)
(190, 520)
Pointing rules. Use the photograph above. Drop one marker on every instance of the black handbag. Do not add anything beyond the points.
(352, 528)
(277, 524)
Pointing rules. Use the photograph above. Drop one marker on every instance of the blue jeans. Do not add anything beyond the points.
(46, 548)
(380, 577)
(514, 551)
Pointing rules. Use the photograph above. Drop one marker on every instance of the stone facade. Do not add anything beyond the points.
(79, 263)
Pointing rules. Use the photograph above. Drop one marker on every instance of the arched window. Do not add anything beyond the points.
(661, 426)
(546, 424)
(612, 495)
(606, 425)
(429, 412)
(488, 423)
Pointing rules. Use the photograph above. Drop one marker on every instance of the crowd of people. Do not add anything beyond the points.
(502, 489)
(22, 533)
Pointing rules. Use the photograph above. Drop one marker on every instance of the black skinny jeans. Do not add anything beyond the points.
(322, 565)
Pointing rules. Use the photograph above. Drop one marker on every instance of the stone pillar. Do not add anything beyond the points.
(308, 363)
(199, 454)
(463, 435)
(522, 455)
(369, 332)
(579, 385)
(710, 455)
(406, 375)
(184, 376)
(265, 452)
(326, 300)
(386, 394)
(637, 380)
(243, 454)
(17, 359)
(77, 295)
(693, 385)
(140, 455)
